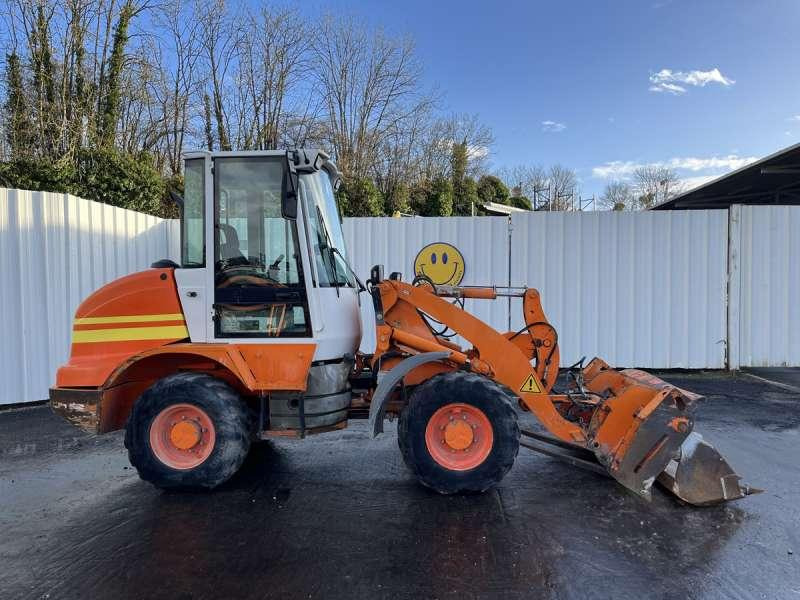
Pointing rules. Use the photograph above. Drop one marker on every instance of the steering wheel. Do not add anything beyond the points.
(247, 275)
(225, 280)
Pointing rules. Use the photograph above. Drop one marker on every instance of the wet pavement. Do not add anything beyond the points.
(339, 516)
(786, 376)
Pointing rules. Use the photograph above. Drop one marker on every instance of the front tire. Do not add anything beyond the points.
(188, 431)
(459, 433)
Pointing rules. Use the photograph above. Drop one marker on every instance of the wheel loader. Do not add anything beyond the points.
(256, 332)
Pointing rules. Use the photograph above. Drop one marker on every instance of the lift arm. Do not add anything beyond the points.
(633, 423)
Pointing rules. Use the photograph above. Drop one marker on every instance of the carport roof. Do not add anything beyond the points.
(771, 180)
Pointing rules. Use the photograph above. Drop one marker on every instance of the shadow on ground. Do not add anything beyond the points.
(339, 516)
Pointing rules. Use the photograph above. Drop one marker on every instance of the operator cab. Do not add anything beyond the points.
(277, 267)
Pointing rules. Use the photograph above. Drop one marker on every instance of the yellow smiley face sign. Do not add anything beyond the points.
(442, 263)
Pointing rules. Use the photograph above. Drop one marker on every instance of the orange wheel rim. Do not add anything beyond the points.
(459, 436)
(182, 436)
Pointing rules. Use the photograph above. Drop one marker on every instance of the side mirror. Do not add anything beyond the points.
(376, 274)
(290, 185)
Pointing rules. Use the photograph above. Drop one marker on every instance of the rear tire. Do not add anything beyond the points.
(427, 428)
(208, 445)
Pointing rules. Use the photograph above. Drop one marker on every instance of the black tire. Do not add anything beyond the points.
(225, 408)
(465, 388)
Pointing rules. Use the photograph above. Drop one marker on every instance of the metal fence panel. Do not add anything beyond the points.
(394, 243)
(644, 289)
(56, 249)
(765, 250)
(638, 289)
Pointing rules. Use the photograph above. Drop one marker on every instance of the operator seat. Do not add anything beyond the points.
(229, 251)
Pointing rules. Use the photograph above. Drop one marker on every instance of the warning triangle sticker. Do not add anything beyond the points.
(530, 385)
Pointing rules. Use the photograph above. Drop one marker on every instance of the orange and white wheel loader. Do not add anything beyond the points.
(256, 334)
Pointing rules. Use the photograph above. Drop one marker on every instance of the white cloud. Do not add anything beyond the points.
(730, 162)
(618, 169)
(672, 88)
(553, 126)
(795, 118)
(689, 183)
(674, 82)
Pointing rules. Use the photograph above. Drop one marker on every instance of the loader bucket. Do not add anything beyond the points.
(701, 476)
(642, 426)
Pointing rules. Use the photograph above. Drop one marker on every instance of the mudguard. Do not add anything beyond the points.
(377, 407)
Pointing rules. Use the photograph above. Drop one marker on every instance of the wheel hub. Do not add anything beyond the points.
(459, 436)
(185, 434)
(182, 436)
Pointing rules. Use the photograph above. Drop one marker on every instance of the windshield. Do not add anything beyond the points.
(325, 229)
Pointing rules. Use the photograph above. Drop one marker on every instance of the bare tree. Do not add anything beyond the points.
(179, 80)
(527, 180)
(442, 133)
(370, 86)
(273, 61)
(618, 195)
(562, 183)
(131, 79)
(397, 163)
(655, 184)
(219, 38)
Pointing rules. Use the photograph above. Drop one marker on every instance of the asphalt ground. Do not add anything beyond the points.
(340, 516)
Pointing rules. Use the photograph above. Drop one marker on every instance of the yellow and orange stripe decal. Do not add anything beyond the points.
(139, 330)
(129, 319)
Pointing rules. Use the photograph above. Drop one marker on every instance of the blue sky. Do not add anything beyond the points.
(588, 67)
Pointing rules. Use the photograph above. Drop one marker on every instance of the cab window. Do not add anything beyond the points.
(259, 285)
(193, 235)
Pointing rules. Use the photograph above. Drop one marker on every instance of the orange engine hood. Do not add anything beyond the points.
(128, 315)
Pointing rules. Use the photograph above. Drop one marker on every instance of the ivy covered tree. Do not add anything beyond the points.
(520, 202)
(15, 110)
(359, 197)
(397, 201)
(492, 189)
(458, 177)
(440, 198)
(108, 121)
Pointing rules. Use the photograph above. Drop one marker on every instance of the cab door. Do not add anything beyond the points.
(259, 282)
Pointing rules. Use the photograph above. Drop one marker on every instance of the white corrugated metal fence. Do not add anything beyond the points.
(764, 321)
(637, 289)
(395, 243)
(673, 289)
(56, 249)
